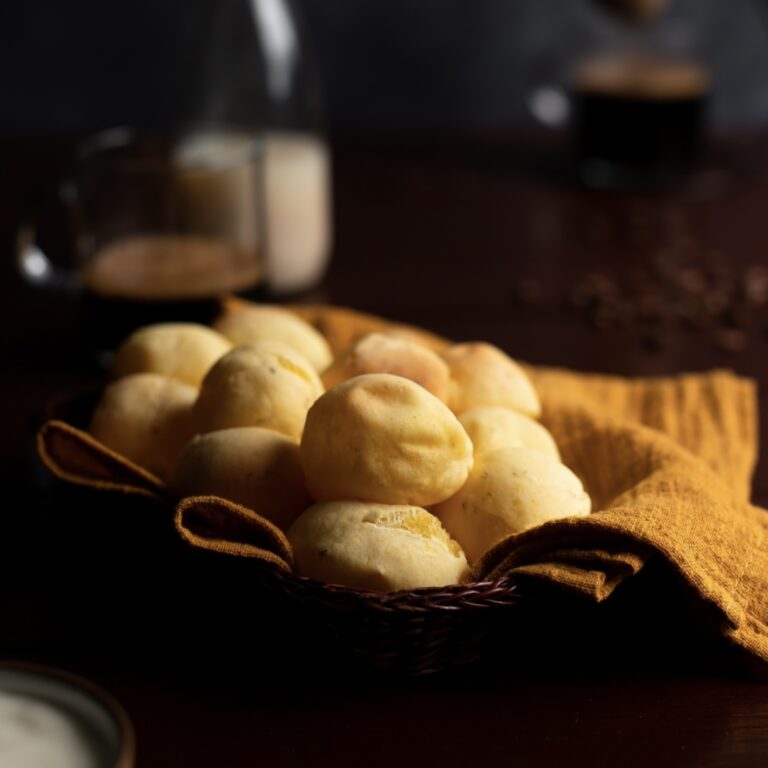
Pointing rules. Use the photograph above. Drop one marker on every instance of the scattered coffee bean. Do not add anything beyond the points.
(692, 281)
(730, 339)
(755, 285)
(681, 289)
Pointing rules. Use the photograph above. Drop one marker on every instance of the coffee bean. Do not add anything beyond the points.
(755, 285)
(730, 339)
(692, 280)
(678, 290)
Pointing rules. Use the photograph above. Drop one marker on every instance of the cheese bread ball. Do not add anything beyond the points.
(380, 437)
(381, 353)
(252, 466)
(509, 491)
(482, 374)
(260, 323)
(490, 428)
(415, 336)
(378, 547)
(145, 417)
(264, 384)
(183, 351)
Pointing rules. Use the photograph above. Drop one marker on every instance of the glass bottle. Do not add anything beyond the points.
(215, 181)
(259, 78)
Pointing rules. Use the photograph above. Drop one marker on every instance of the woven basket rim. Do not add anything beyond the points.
(478, 594)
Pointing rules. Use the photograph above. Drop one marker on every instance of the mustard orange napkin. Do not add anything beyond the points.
(667, 463)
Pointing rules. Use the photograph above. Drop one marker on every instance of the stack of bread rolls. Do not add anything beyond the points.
(390, 466)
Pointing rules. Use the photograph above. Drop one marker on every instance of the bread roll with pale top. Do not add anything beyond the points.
(382, 353)
(509, 491)
(264, 384)
(145, 417)
(258, 468)
(260, 323)
(183, 351)
(377, 547)
(383, 438)
(491, 427)
(482, 374)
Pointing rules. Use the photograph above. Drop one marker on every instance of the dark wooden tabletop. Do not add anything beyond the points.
(473, 240)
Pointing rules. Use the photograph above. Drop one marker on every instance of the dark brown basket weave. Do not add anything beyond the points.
(414, 632)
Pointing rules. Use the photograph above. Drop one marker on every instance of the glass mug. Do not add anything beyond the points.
(162, 228)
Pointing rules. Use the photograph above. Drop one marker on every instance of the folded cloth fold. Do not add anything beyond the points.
(667, 461)
(208, 522)
(654, 497)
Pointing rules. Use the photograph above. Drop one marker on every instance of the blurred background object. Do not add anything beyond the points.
(635, 11)
(259, 73)
(640, 92)
(209, 175)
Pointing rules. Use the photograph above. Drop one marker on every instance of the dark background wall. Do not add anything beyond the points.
(71, 66)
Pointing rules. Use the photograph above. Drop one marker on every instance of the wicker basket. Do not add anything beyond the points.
(414, 632)
(422, 631)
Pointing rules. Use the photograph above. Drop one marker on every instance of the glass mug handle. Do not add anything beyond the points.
(33, 264)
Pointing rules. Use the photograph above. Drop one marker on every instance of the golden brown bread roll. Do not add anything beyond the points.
(267, 323)
(377, 547)
(145, 417)
(340, 326)
(380, 437)
(492, 427)
(482, 374)
(383, 353)
(509, 491)
(264, 384)
(183, 351)
(258, 468)
(415, 336)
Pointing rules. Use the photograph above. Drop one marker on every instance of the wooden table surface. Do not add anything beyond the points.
(473, 241)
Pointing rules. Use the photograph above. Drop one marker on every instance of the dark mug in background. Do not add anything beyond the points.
(159, 228)
(639, 114)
